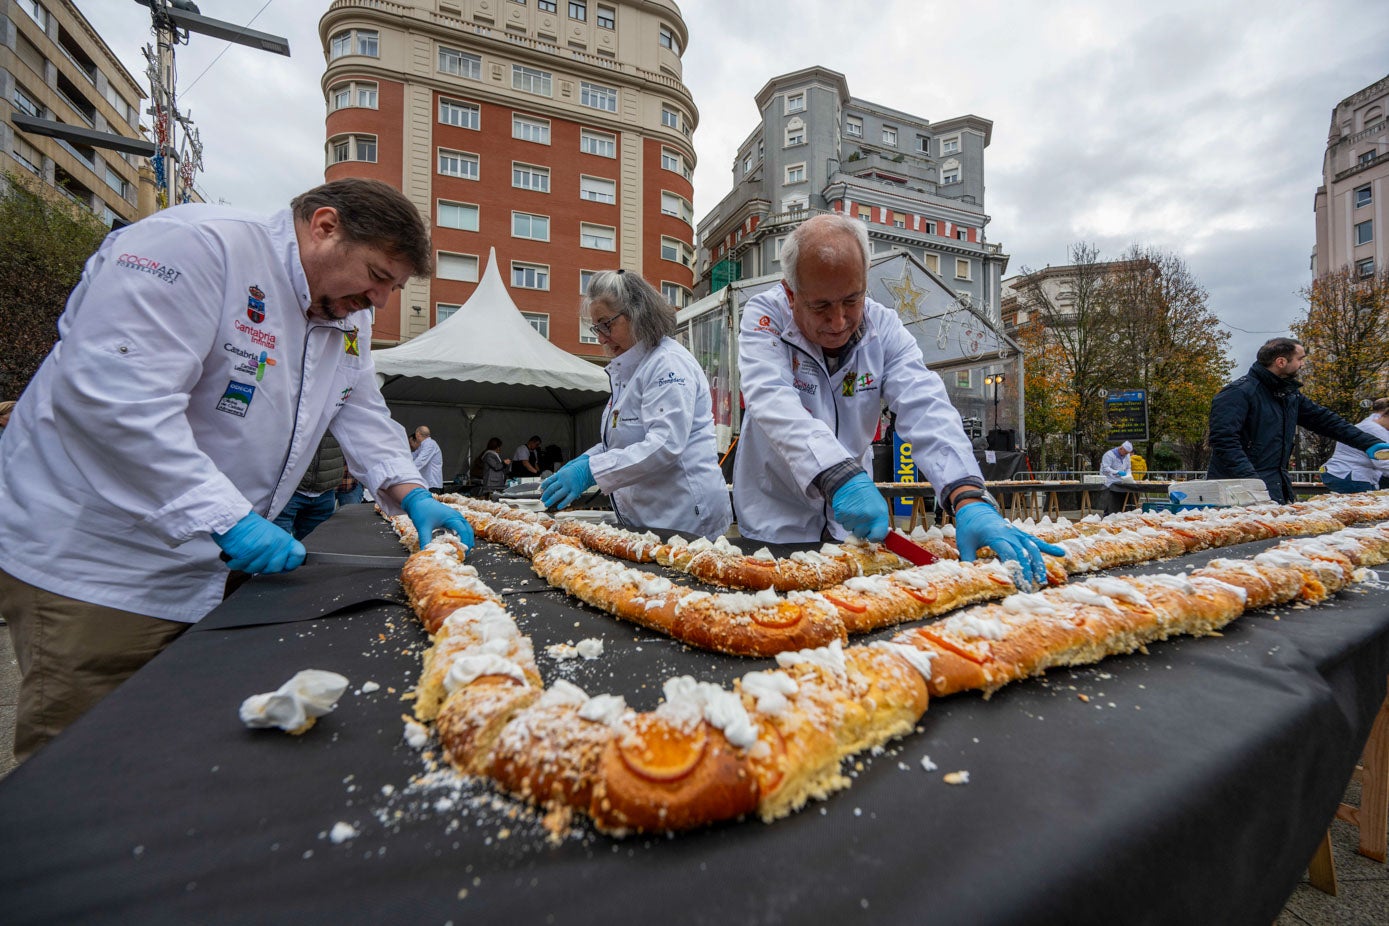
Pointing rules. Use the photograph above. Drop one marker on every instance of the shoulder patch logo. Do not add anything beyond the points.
(255, 304)
(349, 343)
(236, 398)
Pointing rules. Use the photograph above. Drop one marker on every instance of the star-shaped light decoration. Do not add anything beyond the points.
(907, 294)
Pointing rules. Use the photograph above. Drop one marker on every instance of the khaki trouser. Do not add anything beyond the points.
(71, 654)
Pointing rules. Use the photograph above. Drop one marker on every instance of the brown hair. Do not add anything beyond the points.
(1378, 406)
(372, 213)
(1275, 348)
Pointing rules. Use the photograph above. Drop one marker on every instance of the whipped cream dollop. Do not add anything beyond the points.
(296, 704)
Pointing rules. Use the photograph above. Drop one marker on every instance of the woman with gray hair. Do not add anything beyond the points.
(657, 458)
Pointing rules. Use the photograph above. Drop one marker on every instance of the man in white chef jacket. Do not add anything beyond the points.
(429, 459)
(201, 358)
(818, 359)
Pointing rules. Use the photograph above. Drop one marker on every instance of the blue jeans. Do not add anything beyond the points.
(1345, 486)
(305, 512)
(352, 496)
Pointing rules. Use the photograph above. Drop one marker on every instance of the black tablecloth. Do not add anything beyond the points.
(1192, 786)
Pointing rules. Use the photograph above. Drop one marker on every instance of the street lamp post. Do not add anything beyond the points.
(994, 379)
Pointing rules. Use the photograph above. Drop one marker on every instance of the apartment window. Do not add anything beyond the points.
(355, 42)
(534, 227)
(598, 189)
(1366, 156)
(463, 115)
(795, 204)
(456, 267)
(36, 12)
(1363, 196)
(359, 94)
(527, 128)
(585, 336)
(950, 175)
(747, 164)
(27, 155)
(27, 103)
(670, 118)
(530, 177)
(865, 216)
(795, 173)
(677, 295)
(795, 133)
(599, 143)
(963, 380)
(899, 223)
(547, 6)
(676, 250)
(1365, 268)
(795, 102)
(674, 160)
(853, 127)
(923, 144)
(889, 136)
(933, 263)
(598, 96)
(530, 276)
(578, 9)
(443, 310)
(606, 18)
(1365, 231)
(667, 39)
(462, 216)
(531, 80)
(460, 63)
(950, 145)
(676, 205)
(930, 228)
(962, 234)
(961, 269)
(541, 323)
(458, 164)
(352, 148)
(599, 237)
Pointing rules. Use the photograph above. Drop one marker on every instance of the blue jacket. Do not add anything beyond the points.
(1253, 423)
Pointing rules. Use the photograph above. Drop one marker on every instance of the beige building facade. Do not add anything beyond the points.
(1352, 220)
(556, 131)
(53, 65)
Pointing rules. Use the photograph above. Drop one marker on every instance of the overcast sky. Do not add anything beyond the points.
(1196, 127)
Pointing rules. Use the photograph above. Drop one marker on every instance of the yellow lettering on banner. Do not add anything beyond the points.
(906, 471)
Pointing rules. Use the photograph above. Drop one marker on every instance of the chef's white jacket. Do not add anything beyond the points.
(800, 420)
(658, 459)
(188, 387)
(429, 460)
(1350, 463)
(1112, 464)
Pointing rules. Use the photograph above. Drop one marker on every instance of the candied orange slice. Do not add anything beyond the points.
(659, 751)
(925, 597)
(785, 614)
(1001, 580)
(845, 605)
(760, 563)
(947, 645)
(771, 768)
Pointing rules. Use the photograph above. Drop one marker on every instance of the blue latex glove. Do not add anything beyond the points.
(255, 545)
(428, 514)
(1376, 449)
(571, 480)
(978, 524)
(1123, 475)
(860, 507)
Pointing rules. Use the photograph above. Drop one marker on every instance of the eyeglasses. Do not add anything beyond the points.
(604, 327)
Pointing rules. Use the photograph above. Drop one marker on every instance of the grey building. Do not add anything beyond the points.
(1349, 204)
(918, 184)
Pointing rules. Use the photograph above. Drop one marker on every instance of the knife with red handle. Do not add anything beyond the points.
(917, 555)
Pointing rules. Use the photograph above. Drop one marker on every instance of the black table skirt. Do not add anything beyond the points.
(1191, 787)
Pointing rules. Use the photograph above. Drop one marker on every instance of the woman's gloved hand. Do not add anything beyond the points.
(567, 484)
(1373, 452)
(428, 514)
(978, 524)
(255, 545)
(860, 507)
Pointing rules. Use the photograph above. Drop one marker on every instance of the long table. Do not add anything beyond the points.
(1190, 784)
(1016, 498)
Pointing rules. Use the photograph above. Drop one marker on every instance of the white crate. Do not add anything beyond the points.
(1221, 491)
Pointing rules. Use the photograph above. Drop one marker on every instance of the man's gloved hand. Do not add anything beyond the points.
(255, 545)
(1379, 448)
(1123, 475)
(428, 514)
(860, 507)
(978, 524)
(571, 480)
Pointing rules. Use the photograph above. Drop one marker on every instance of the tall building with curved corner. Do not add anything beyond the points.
(556, 131)
(1349, 204)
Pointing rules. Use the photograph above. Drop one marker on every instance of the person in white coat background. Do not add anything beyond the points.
(429, 459)
(1351, 470)
(1114, 466)
(201, 358)
(658, 459)
(818, 360)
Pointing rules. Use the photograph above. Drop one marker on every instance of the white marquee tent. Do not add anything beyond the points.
(485, 372)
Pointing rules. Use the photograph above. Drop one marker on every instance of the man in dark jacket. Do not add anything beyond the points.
(1254, 419)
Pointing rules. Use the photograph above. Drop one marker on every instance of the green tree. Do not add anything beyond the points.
(1049, 403)
(1347, 339)
(44, 241)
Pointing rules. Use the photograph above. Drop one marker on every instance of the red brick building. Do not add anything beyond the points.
(556, 132)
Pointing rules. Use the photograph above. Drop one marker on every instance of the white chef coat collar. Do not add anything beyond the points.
(283, 232)
(794, 336)
(624, 365)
